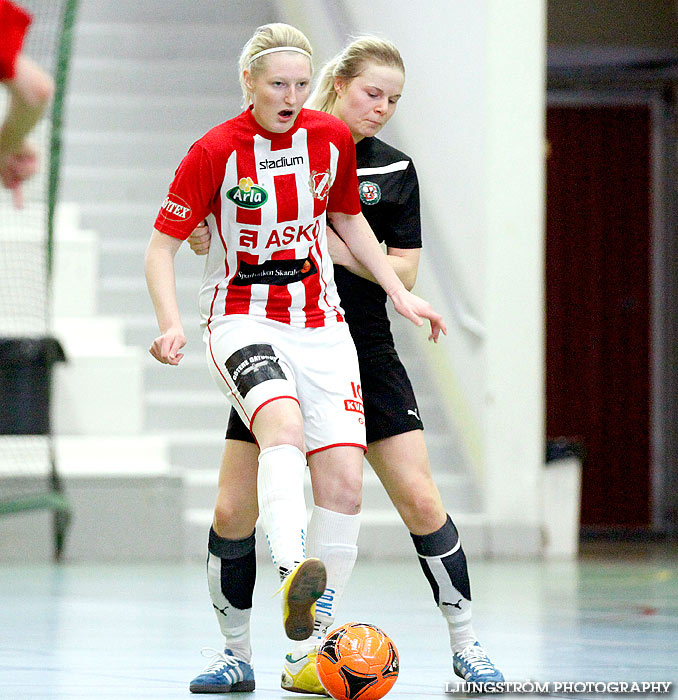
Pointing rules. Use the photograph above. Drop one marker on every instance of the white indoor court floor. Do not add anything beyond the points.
(136, 631)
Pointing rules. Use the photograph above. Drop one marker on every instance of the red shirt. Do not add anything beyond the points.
(266, 195)
(13, 25)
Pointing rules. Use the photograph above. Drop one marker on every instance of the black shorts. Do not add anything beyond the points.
(390, 406)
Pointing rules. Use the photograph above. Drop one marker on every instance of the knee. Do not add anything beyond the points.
(289, 432)
(231, 520)
(422, 511)
(284, 429)
(223, 518)
(352, 487)
(344, 494)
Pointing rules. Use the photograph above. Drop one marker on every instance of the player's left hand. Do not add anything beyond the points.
(416, 310)
(200, 238)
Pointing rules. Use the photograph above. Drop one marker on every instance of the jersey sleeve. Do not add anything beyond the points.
(13, 25)
(343, 196)
(191, 194)
(405, 231)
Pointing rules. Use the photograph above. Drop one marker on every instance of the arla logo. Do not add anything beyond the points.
(175, 208)
(247, 194)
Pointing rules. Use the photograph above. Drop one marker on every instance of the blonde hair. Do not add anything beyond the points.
(349, 64)
(268, 36)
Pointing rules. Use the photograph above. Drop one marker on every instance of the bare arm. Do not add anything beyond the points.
(161, 281)
(30, 91)
(404, 261)
(358, 236)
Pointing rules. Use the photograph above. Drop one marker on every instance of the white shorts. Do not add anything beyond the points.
(256, 361)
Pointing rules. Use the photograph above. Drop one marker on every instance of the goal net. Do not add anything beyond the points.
(28, 471)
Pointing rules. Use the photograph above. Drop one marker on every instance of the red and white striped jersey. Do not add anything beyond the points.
(265, 196)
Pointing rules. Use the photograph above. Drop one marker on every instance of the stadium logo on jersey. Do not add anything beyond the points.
(248, 195)
(274, 272)
(370, 192)
(282, 162)
(175, 208)
(319, 183)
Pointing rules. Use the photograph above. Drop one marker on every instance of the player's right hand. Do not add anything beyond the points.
(17, 166)
(165, 347)
(199, 240)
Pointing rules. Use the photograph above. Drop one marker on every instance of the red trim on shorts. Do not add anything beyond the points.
(223, 376)
(275, 398)
(338, 444)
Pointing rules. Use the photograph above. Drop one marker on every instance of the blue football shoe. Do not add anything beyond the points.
(473, 665)
(225, 674)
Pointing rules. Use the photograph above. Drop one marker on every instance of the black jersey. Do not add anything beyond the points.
(389, 197)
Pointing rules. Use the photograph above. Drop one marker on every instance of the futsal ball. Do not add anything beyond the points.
(357, 661)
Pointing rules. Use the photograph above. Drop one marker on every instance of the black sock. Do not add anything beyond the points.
(451, 572)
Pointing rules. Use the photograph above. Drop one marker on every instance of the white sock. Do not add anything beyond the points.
(460, 627)
(332, 538)
(282, 510)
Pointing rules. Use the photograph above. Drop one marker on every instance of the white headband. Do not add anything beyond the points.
(279, 48)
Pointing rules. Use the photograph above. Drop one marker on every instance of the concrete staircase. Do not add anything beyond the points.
(147, 80)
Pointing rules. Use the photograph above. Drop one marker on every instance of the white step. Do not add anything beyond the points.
(382, 535)
(193, 374)
(143, 41)
(125, 504)
(120, 256)
(184, 407)
(200, 488)
(130, 184)
(117, 149)
(142, 328)
(195, 449)
(75, 273)
(99, 392)
(169, 410)
(87, 335)
(66, 218)
(120, 219)
(120, 75)
(239, 13)
(194, 114)
(103, 454)
(129, 295)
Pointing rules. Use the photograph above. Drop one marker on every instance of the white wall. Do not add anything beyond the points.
(472, 117)
(514, 308)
